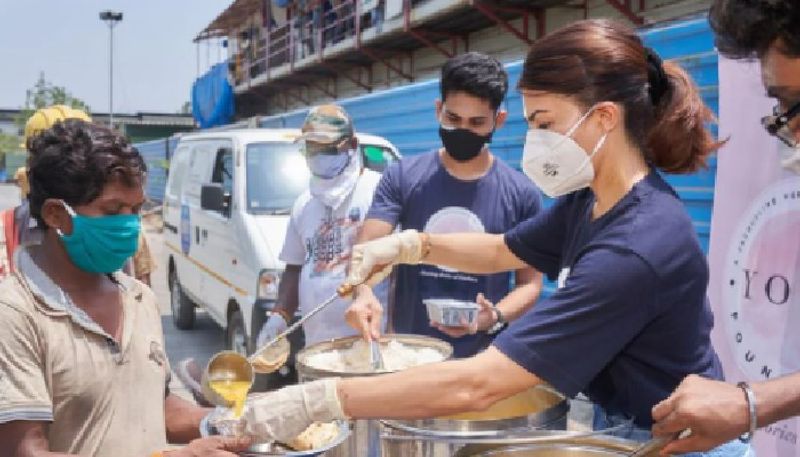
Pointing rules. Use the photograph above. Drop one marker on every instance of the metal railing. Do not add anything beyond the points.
(308, 33)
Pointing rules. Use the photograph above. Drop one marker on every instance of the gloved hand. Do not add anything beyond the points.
(372, 262)
(283, 414)
(272, 328)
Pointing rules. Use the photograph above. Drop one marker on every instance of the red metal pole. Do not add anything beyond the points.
(291, 45)
(541, 22)
(357, 9)
(488, 12)
(627, 12)
(267, 49)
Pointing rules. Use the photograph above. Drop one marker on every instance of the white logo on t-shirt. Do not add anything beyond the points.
(562, 277)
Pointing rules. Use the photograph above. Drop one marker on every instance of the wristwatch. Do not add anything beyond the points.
(500, 324)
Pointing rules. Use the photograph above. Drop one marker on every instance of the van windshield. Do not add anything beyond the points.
(276, 175)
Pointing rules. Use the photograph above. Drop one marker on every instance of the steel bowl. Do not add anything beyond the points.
(279, 450)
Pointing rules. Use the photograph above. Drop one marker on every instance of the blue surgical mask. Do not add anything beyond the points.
(101, 244)
(328, 166)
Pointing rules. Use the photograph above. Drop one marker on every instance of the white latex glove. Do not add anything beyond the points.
(283, 414)
(272, 328)
(372, 262)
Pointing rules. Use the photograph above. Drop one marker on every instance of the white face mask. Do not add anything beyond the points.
(556, 163)
(333, 192)
(790, 157)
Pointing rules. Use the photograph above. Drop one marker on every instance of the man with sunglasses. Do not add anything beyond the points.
(717, 412)
(324, 223)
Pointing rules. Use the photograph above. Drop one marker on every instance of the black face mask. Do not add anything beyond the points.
(463, 144)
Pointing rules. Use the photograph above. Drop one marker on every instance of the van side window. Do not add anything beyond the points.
(179, 162)
(377, 158)
(223, 174)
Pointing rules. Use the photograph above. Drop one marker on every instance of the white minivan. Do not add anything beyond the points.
(226, 210)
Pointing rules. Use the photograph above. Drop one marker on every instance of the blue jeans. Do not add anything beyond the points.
(603, 420)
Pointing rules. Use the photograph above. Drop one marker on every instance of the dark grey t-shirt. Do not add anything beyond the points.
(419, 193)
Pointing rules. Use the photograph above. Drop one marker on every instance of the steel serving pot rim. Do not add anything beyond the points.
(306, 371)
(264, 449)
(532, 437)
(613, 447)
(463, 428)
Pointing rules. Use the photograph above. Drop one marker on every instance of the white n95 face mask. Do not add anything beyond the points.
(556, 163)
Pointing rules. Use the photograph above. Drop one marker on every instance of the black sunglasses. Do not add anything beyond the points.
(778, 124)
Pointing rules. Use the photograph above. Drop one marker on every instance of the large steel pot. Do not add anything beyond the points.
(365, 439)
(550, 444)
(539, 408)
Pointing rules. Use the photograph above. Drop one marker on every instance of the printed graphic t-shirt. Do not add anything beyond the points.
(320, 239)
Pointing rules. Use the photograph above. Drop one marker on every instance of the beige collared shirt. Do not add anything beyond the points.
(100, 397)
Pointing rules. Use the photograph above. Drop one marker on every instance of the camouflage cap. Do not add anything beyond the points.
(326, 124)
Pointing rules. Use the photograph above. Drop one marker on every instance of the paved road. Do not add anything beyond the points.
(203, 341)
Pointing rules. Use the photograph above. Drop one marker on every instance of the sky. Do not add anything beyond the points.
(155, 60)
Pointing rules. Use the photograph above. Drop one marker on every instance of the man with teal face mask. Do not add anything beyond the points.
(82, 364)
(101, 244)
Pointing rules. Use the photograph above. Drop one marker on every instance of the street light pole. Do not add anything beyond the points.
(111, 18)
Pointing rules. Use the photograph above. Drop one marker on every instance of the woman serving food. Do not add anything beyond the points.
(630, 318)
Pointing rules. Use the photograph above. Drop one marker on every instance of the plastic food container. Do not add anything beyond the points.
(452, 313)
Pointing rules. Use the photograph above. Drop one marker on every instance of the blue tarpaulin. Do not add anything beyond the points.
(212, 97)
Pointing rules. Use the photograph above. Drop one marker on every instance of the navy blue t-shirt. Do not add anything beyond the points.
(419, 193)
(631, 318)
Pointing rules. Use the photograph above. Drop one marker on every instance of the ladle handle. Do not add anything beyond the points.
(294, 326)
(346, 290)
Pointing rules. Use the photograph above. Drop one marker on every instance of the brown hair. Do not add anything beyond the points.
(600, 60)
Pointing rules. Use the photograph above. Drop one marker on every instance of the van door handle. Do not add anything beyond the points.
(196, 235)
(205, 234)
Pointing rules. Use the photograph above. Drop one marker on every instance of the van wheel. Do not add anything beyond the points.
(182, 306)
(235, 336)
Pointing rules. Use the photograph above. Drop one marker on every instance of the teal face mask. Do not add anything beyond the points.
(101, 244)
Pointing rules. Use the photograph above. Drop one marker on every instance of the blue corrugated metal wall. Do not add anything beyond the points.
(691, 43)
(156, 155)
(405, 115)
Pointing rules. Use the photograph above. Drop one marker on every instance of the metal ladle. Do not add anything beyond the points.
(232, 366)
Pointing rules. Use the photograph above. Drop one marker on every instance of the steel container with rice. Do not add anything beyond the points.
(349, 357)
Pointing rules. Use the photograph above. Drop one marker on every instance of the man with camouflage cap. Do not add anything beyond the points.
(323, 227)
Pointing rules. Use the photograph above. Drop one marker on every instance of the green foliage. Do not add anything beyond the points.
(44, 94)
(8, 143)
